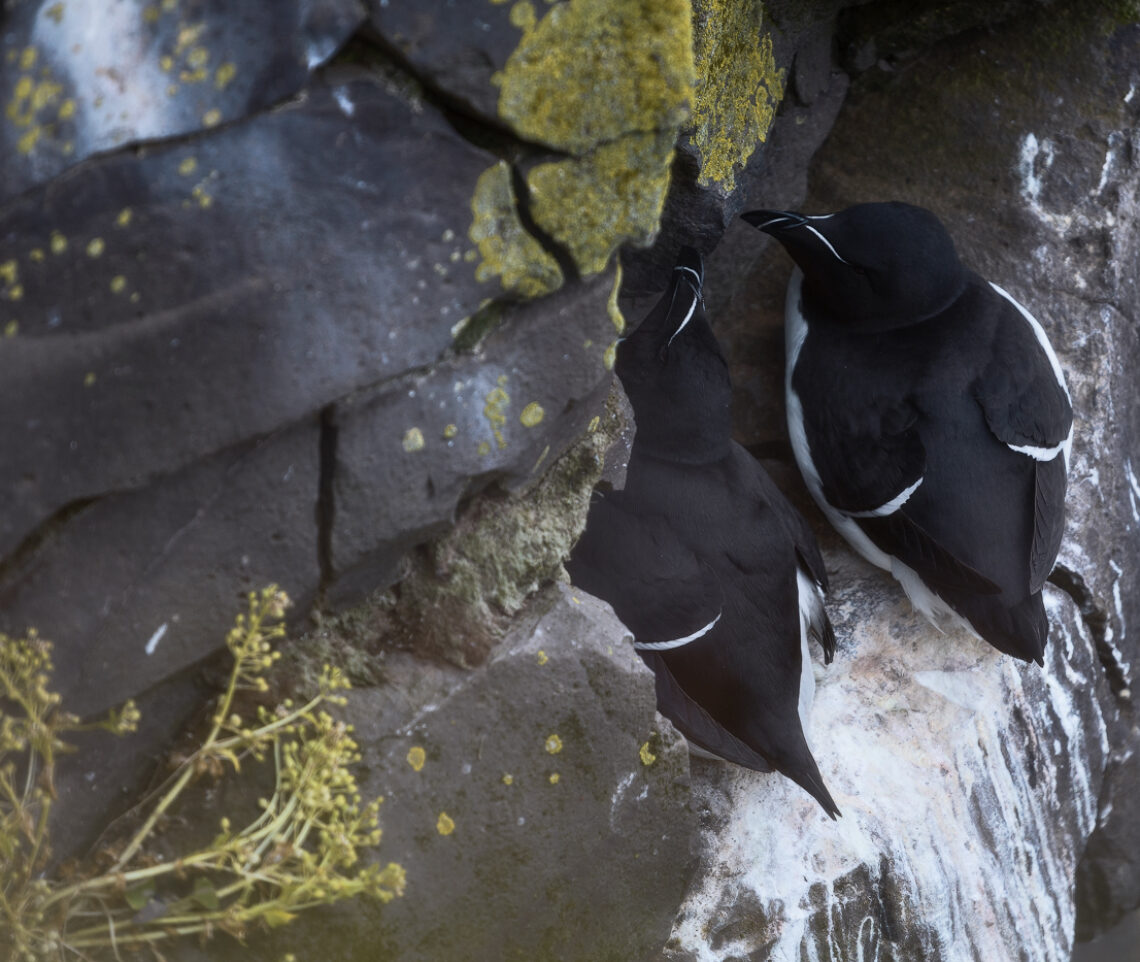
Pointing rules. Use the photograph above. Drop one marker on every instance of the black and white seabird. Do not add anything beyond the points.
(928, 414)
(716, 575)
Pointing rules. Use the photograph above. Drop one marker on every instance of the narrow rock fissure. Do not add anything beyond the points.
(326, 501)
(555, 248)
(15, 561)
(1095, 618)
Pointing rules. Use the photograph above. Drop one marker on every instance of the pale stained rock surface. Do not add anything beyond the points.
(540, 806)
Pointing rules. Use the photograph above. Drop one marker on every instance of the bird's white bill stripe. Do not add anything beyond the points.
(689, 270)
(826, 242)
(890, 507)
(688, 317)
(676, 642)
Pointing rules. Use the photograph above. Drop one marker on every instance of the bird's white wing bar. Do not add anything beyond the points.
(676, 642)
(1041, 454)
(890, 507)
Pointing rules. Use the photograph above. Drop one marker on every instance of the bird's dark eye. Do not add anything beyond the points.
(861, 271)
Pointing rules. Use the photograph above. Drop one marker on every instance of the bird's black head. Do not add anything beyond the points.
(872, 267)
(675, 376)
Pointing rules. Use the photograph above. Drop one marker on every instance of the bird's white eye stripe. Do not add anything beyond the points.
(676, 642)
(688, 317)
(689, 270)
(826, 242)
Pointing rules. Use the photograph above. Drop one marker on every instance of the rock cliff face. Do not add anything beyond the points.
(326, 293)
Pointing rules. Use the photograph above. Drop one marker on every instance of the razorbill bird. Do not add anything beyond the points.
(715, 574)
(928, 414)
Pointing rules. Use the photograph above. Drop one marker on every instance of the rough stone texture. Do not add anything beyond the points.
(81, 77)
(975, 781)
(570, 825)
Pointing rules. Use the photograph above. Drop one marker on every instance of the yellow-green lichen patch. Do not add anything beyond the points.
(508, 778)
(123, 219)
(507, 251)
(553, 744)
(739, 87)
(450, 431)
(532, 414)
(118, 284)
(555, 778)
(12, 328)
(416, 757)
(612, 307)
(542, 657)
(611, 196)
(37, 105)
(57, 242)
(89, 379)
(593, 425)
(494, 405)
(609, 357)
(445, 824)
(187, 166)
(96, 246)
(592, 71)
(212, 117)
(413, 440)
(647, 757)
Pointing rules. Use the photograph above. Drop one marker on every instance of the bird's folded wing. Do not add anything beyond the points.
(656, 585)
(1027, 408)
(696, 724)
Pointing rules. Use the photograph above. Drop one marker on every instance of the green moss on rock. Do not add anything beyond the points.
(738, 90)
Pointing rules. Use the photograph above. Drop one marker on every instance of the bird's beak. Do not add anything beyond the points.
(774, 221)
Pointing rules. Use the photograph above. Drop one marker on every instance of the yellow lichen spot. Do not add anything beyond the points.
(508, 251)
(95, 247)
(224, 74)
(202, 196)
(494, 403)
(212, 117)
(198, 57)
(118, 284)
(413, 440)
(484, 449)
(532, 414)
(647, 757)
(166, 62)
(36, 254)
(89, 379)
(416, 757)
(168, 6)
(12, 328)
(15, 292)
(55, 13)
(471, 255)
(150, 14)
(553, 744)
(542, 658)
(593, 425)
(187, 166)
(522, 16)
(508, 778)
(610, 356)
(124, 217)
(9, 272)
(612, 308)
(27, 141)
(445, 824)
(135, 297)
(67, 109)
(739, 90)
(450, 431)
(555, 778)
(28, 58)
(58, 242)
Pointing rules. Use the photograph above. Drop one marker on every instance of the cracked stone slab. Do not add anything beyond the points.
(500, 414)
(162, 571)
(539, 805)
(191, 296)
(80, 77)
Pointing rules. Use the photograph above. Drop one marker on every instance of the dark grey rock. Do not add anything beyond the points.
(80, 78)
(181, 299)
(125, 617)
(499, 415)
(568, 829)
